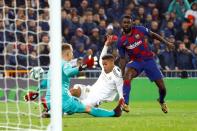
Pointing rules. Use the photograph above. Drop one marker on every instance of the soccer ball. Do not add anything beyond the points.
(36, 73)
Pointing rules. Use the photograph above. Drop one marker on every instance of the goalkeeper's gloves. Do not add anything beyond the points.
(31, 96)
(82, 67)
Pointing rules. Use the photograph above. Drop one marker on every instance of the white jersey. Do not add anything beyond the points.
(107, 87)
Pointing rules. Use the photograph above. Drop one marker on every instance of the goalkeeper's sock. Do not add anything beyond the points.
(126, 90)
(162, 94)
(99, 112)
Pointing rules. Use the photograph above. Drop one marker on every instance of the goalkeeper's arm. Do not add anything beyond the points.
(33, 95)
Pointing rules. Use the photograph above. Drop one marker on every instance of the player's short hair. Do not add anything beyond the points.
(66, 47)
(127, 17)
(108, 57)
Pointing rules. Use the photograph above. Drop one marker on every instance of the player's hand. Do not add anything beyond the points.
(31, 96)
(82, 67)
(110, 39)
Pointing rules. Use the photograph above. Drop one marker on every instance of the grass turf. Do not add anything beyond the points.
(144, 115)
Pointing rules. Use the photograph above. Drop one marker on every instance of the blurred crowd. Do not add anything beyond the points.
(24, 29)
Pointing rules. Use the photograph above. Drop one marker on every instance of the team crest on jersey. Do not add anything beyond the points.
(137, 36)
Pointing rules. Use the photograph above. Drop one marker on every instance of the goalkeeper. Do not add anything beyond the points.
(71, 104)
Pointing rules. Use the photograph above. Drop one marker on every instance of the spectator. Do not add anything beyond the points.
(22, 56)
(79, 51)
(184, 58)
(155, 14)
(186, 41)
(191, 14)
(167, 59)
(80, 37)
(169, 30)
(33, 59)
(102, 13)
(75, 25)
(83, 7)
(67, 5)
(149, 5)
(114, 13)
(185, 31)
(43, 51)
(155, 26)
(89, 24)
(179, 7)
(195, 57)
(141, 14)
(148, 21)
(96, 40)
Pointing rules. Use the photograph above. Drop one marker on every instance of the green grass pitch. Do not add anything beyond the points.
(144, 116)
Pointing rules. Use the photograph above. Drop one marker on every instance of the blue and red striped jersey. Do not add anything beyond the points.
(134, 44)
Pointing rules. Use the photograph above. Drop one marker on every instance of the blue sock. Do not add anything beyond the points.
(126, 90)
(99, 112)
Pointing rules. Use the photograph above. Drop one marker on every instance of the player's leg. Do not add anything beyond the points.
(77, 107)
(46, 107)
(131, 71)
(100, 112)
(154, 74)
(93, 99)
(162, 93)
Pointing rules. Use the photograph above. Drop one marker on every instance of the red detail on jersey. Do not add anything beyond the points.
(136, 48)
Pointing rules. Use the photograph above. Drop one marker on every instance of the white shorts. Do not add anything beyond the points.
(86, 97)
(84, 90)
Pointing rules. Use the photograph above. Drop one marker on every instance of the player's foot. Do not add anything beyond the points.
(126, 108)
(164, 107)
(118, 109)
(45, 115)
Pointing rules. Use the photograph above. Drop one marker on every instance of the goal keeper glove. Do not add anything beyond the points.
(31, 96)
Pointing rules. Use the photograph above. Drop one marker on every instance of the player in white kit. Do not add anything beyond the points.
(108, 85)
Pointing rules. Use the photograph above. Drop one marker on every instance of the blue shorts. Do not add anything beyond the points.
(148, 66)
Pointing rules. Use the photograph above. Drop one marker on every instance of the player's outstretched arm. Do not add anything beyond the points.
(108, 42)
(160, 38)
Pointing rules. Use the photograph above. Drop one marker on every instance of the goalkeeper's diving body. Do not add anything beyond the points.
(71, 104)
(108, 85)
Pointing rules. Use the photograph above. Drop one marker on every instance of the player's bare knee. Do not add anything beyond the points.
(88, 109)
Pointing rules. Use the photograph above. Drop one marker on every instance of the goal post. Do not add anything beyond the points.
(55, 66)
(30, 33)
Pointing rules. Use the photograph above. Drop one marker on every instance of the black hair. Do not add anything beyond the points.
(108, 57)
(127, 17)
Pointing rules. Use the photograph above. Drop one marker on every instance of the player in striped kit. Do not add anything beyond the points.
(140, 59)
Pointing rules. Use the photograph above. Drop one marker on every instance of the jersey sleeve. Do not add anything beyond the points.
(121, 48)
(103, 52)
(69, 71)
(43, 84)
(143, 29)
(118, 81)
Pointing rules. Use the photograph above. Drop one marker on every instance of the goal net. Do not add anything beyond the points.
(25, 40)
